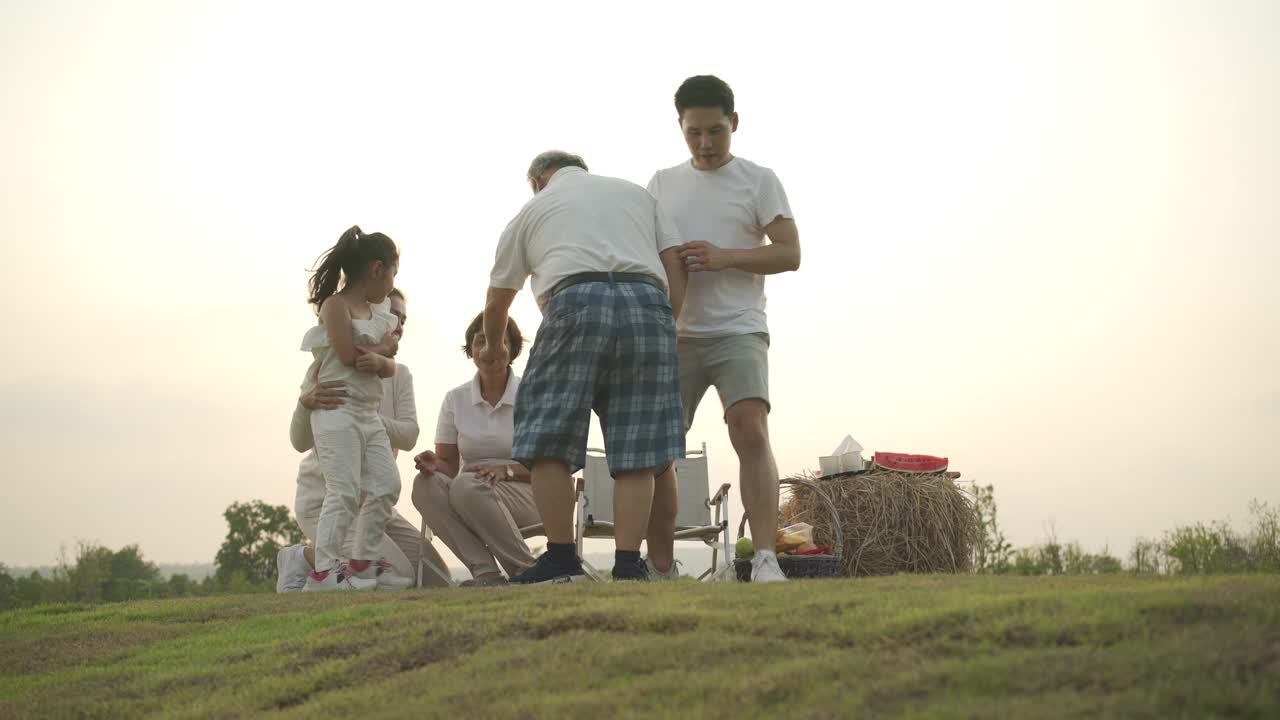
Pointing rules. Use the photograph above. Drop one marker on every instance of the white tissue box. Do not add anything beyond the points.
(843, 463)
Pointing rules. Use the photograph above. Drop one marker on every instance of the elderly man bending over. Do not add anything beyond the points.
(608, 278)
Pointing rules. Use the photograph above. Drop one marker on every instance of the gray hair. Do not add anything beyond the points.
(554, 160)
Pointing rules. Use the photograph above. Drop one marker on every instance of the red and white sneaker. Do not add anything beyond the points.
(335, 578)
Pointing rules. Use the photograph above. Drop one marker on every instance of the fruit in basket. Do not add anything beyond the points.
(794, 537)
(745, 548)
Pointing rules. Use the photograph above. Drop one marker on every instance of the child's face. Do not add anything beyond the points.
(382, 278)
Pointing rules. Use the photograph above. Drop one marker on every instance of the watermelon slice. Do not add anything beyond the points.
(902, 462)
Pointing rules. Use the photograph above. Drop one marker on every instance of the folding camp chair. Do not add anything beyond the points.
(443, 573)
(693, 521)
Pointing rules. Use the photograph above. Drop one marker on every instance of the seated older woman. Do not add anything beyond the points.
(470, 492)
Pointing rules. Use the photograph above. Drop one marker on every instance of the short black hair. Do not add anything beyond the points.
(704, 91)
(515, 341)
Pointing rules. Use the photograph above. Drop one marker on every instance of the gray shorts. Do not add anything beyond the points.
(737, 365)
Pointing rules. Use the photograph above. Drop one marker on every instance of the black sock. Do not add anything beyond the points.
(626, 557)
(562, 553)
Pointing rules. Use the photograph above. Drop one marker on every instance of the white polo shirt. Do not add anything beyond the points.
(728, 207)
(484, 433)
(582, 223)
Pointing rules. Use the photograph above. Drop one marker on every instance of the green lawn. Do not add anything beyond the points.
(908, 646)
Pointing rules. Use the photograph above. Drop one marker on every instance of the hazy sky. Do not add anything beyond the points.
(1039, 238)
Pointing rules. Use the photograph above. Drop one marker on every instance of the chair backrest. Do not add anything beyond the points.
(691, 483)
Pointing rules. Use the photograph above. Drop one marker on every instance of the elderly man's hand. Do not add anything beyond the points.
(327, 395)
(700, 256)
(494, 357)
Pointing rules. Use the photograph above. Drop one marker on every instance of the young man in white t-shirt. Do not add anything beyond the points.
(727, 206)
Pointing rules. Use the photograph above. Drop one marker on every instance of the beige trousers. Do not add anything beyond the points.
(478, 521)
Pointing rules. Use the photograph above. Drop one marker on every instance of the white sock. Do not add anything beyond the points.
(762, 554)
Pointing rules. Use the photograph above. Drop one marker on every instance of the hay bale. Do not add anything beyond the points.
(892, 522)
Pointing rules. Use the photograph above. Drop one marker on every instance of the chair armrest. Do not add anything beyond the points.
(720, 494)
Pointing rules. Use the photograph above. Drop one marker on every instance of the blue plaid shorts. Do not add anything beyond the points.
(611, 348)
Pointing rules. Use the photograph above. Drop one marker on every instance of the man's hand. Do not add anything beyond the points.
(494, 358)
(327, 395)
(700, 256)
(427, 462)
(488, 473)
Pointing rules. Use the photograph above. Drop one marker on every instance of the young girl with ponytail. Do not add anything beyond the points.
(350, 440)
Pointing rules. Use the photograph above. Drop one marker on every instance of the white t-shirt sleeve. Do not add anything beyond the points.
(771, 200)
(446, 425)
(510, 266)
(652, 187)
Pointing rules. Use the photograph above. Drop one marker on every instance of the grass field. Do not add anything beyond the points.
(904, 646)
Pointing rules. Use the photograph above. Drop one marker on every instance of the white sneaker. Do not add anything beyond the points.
(764, 568)
(672, 573)
(332, 579)
(292, 568)
(388, 579)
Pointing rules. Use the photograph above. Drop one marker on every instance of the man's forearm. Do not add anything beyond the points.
(677, 279)
(677, 296)
(496, 308)
(767, 260)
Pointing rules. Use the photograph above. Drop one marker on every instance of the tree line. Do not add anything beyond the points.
(246, 562)
(256, 531)
(1196, 549)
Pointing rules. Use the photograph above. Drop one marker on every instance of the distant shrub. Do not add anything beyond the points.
(1215, 547)
(1201, 548)
(992, 554)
